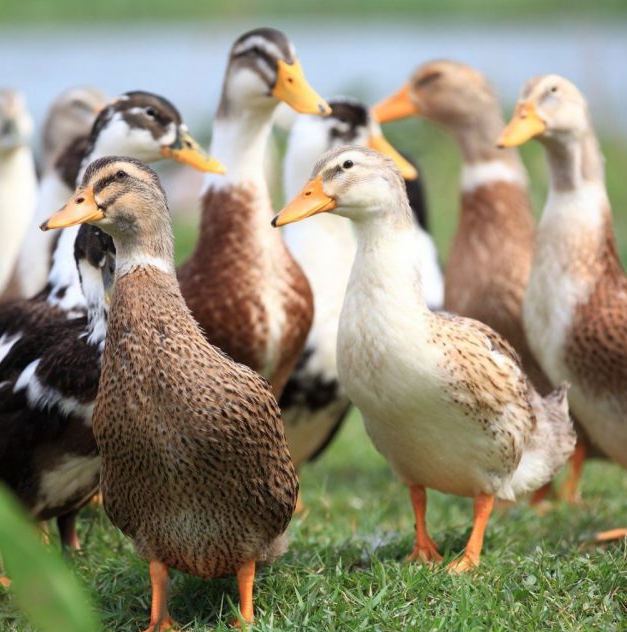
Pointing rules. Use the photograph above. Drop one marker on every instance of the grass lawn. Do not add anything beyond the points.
(345, 569)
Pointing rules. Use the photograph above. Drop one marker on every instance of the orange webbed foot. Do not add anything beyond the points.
(463, 564)
(611, 535)
(165, 625)
(427, 553)
(5, 581)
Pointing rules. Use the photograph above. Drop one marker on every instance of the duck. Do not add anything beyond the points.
(18, 179)
(443, 397)
(489, 262)
(313, 404)
(575, 306)
(241, 283)
(139, 124)
(69, 120)
(48, 385)
(195, 466)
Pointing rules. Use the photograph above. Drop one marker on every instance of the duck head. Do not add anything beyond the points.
(147, 127)
(16, 124)
(550, 108)
(262, 71)
(354, 182)
(443, 91)
(349, 123)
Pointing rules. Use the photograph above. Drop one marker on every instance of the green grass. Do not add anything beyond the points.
(345, 569)
(64, 11)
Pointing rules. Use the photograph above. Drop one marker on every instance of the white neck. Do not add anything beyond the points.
(239, 142)
(18, 190)
(65, 291)
(485, 173)
(127, 261)
(97, 309)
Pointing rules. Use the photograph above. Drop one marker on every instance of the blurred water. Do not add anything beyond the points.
(185, 62)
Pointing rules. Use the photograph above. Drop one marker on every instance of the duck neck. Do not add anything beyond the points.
(97, 307)
(153, 246)
(476, 137)
(575, 162)
(239, 139)
(388, 258)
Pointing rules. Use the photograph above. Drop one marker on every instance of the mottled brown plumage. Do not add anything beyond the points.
(243, 286)
(195, 466)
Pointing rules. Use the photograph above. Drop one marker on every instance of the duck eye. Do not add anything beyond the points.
(347, 164)
(554, 89)
(151, 112)
(120, 175)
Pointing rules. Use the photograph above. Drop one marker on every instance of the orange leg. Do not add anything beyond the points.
(245, 581)
(570, 491)
(5, 581)
(541, 494)
(96, 499)
(612, 534)
(67, 531)
(470, 558)
(425, 549)
(160, 619)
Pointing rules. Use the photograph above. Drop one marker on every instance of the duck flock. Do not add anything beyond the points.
(190, 396)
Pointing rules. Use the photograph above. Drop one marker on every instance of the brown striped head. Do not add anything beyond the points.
(147, 127)
(263, 69)
(447, 92)
(16, 124)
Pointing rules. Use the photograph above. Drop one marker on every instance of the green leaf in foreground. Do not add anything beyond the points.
(42, 584)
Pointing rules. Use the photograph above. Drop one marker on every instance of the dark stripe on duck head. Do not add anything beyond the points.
(348, 116)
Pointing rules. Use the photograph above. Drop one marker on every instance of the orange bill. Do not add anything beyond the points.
(186, 150)
(525, 125)
(310, 201)
(379, 143)
(292, 87)
(82, 208)
(397, 106)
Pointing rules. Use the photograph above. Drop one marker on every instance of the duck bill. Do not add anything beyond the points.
(81, 209)
(525, 125)
(310, 201)
(292, 87)
(397, 106)
(379, 143)
(187, 151)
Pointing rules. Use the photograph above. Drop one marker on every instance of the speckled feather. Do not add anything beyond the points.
(195, 466)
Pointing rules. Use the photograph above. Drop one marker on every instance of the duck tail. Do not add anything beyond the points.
(551, 444)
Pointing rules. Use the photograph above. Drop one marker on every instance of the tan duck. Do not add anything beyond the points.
(241, 283)
(444, 398)
(490, 258)
(195, 466)
(575, 310)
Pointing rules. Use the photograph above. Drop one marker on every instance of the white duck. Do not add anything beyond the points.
(68, 121)
(18, 180)
(444, 398)
(312, 404)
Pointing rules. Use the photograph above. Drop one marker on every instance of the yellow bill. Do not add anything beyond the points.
(397, 106)
(310, 201)
(292, 87)
(379, 143)
(187, 151)
(525, 125)
(80, 209)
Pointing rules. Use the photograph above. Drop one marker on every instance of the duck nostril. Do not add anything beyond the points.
(79, 200)
(307, 193)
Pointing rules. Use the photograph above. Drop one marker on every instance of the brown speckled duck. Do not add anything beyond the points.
(575, 310)
(195, 466)
(444, 398)
(490, 258)
(241, 283)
